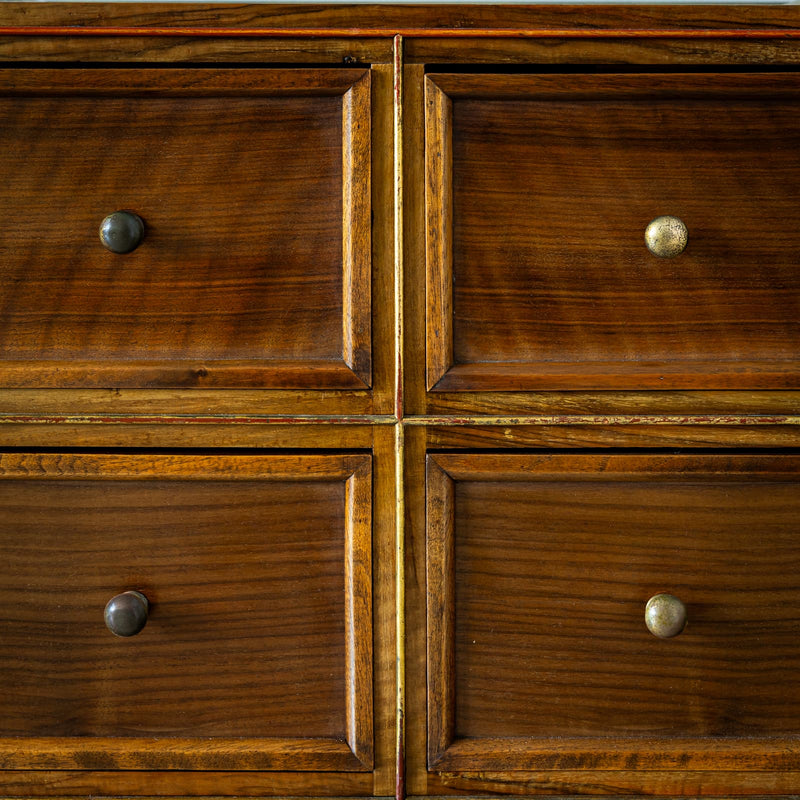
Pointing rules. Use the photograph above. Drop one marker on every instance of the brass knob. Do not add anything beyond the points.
(666, 237)
(126, 614)
(665, 616)
(122, 231)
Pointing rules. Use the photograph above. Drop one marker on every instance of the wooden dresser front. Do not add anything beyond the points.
(399, 401)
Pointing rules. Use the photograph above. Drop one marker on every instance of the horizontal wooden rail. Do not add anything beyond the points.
(427, 33)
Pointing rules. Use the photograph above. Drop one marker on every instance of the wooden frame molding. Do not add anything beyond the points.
(355, 754)
(354, 371)
(443, 373)
(451, 755)
(104, 19)
(439, 233)
(358, 612)
(356, 229)
(441, 605)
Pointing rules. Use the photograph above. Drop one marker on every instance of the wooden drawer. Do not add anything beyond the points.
(254, 189)
(257, 652)
(539, 191)
(539, 569)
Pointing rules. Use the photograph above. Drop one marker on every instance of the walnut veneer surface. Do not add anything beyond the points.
(391, 416)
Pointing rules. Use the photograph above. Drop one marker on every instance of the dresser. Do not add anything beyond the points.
(399, 401)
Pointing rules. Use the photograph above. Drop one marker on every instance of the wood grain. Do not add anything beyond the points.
(622, 783)
(220, 403)
(393, 18)
(358, 613)
(356, 227)
(442, 608)
(193, 50)
(387, 648)
(246, 559)
(244, 287)
(566, 673)
(385, 291)
(188, 405)
(549, 54)
(553, 287)
(418, 779)
(743, 404)
(611, 433)
(439, 250)
(141, 783)
(183, 433)
(415, 165)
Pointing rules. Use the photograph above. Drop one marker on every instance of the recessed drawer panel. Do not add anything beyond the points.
(612, 612)
(540, 193)
(251, 578)
(241, 200)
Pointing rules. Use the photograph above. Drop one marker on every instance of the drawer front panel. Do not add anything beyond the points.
(257, 574)
(542, 567)
(253, 187)
(540, 190)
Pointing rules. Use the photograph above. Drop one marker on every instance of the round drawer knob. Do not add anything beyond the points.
(666, 237)
(665, 616)
(126, 614)
(122, 231)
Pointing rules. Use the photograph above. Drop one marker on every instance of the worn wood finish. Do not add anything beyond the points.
(275, 434)
(552, 285)
(386, 292)
(339, 35)
(301, 694)
(264, 284)
(419, 781)
(535, 404)
(415, 396)
(625, 51)
(194, 50)
(388, 19)
(358, 613)
(613, 434)
(143, 784)
(660, 52)
(567, 674)
(623, 784)
(439, 213)
(221, 403)
(356, 228)
(384, 588)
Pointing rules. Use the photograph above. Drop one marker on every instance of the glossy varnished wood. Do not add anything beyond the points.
(578, 779)
(609, 432)
(379, 438)
(515, 403)
(539, 189)
(258, 648)
(330, 34)
(621, 784)
(431, 20)
(255, 192)
(538, 570)
(337, 418)
(294, 402)
(58, 784)
(682, 404)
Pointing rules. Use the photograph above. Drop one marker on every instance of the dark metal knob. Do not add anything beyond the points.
(665, 616)
(126, 614)
(122, 231)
